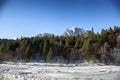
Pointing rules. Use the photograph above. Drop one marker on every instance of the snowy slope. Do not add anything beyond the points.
(48, 71)
(45, 35)
(74, 32)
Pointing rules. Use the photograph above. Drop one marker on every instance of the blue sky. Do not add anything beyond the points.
(30, 17)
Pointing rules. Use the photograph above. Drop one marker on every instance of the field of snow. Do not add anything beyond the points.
(52, 71)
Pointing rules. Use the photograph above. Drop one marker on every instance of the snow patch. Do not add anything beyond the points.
(56, 71)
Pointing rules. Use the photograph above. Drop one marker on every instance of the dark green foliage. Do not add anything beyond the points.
(77, 44)
(86, 49)
(118, 41)
(27, 53)
(91, 46)
(66, 52)
(67, 42)
(45, 50)
(50, 55)
(105, 52)
(104, 36)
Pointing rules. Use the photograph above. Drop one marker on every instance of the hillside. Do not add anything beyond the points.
(99, 47)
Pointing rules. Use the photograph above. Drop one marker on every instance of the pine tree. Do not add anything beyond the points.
(92, 30)
(118, 41)
(44, 52)
(27, 53)
(103, 36)
(105, 51)
(86, 49)
(77, 44)
(67, 42)
(50, 55)
(66, 53)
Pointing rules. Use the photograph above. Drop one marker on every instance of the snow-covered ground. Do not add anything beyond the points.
(52, 71)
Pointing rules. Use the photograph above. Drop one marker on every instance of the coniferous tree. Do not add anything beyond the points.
(50, 54)
(86, 49)
(27, 53)
(118, 41)
(90, 46)
(66, 53)
(44, 52)
(105, 51)
(92, 30)
(103, 36)
(67, 42)
(77, 44)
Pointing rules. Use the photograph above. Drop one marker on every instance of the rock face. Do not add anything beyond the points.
(74, 32)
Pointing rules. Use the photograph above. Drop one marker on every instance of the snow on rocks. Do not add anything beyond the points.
(54, 71)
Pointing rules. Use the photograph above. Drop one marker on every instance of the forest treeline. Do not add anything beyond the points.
(93, 46)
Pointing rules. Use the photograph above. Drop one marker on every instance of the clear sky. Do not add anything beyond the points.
(30, 17)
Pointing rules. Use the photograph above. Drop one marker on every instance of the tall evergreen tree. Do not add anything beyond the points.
(77, 44)
(86, 49)
(105, 51)
(27, 53)
(44, 52)
(67, 42)
(50, 54)
(118, 41)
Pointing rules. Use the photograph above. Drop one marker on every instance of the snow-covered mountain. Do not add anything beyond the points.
(74, 32)
(45, 35)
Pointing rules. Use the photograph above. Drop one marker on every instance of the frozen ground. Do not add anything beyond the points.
(50, 71)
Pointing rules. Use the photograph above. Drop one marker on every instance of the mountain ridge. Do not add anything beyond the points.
(73, 31)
